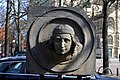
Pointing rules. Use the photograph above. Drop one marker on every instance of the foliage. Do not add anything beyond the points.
(14, 13)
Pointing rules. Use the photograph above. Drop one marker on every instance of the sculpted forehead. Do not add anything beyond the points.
(63, 36)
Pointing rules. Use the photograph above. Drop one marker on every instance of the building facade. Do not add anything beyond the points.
(113, 37)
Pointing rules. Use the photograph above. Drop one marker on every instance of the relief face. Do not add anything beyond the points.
(62, 43)
(62, 38)
(65, 44)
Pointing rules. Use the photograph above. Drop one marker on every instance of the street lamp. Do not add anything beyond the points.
(13, 41)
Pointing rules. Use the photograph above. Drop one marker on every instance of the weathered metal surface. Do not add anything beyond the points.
(42, 55)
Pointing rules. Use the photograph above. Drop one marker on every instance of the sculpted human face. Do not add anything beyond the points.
(62, 43)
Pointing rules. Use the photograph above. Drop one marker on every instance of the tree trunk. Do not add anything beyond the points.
(105, 42)
(7, 25)
(18, 26)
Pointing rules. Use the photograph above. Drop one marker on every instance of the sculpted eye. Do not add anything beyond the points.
(57, 40)
(66, 40)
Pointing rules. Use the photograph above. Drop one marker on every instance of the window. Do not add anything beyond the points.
(98, 42)
(16, 67)
(111, 23)
(110, 40)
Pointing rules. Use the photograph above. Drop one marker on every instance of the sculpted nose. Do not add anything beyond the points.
(62, 44)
